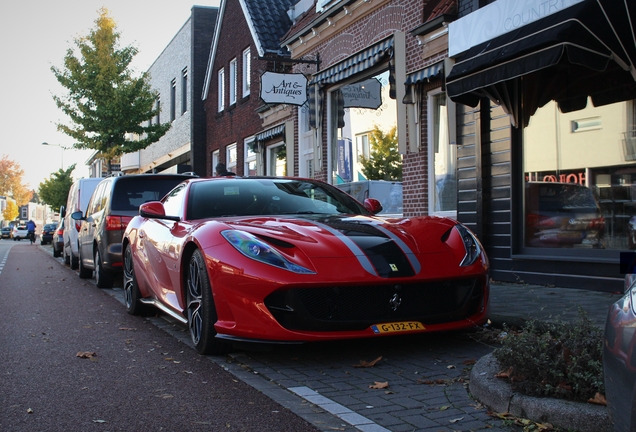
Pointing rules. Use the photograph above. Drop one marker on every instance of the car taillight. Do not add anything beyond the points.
(60, 232)
(117, 223)
(78, 226)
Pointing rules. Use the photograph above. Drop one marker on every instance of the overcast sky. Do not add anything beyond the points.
(35, 36)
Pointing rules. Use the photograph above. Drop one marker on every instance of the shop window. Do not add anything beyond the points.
(250, 168)
(443, 160)
(580, 188)
(354, 109)
(306, 143)
(276, 160)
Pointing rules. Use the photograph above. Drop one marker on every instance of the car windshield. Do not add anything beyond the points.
(263, 196)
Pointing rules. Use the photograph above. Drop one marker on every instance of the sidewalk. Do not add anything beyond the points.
(515, 303)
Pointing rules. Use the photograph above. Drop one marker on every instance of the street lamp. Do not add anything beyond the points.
(57, 145)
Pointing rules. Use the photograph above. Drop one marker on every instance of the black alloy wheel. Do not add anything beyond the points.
(132, 296)
(200, 307)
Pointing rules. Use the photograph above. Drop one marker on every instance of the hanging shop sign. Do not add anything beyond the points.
(363, 94)
(283, 88)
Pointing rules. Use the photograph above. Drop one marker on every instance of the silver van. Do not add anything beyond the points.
(78, 197)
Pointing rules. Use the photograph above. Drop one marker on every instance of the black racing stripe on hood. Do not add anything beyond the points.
(388, 259)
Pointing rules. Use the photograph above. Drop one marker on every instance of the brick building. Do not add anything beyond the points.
(246, 44)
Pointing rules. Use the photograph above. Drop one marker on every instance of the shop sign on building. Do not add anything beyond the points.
(364, 94)
(283, 88)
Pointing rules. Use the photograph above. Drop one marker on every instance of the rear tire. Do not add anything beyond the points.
(56, 253)
(103, 277)
(200, 307)
(84, 273)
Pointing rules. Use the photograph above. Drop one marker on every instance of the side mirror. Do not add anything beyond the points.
(78, 215)
(155, 210)
(373, 205)
(62, 211)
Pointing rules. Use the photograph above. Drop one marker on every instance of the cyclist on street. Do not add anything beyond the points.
(31, 229)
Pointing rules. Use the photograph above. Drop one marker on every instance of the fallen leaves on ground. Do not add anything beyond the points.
(366, 364)
(379, 385)
(598, 399)
(528, 425)
(86, 354)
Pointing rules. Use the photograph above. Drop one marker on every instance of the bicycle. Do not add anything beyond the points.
(31, 236)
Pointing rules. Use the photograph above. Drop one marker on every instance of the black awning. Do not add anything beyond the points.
(586, 50)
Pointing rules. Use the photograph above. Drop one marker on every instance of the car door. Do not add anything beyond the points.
(161, 242)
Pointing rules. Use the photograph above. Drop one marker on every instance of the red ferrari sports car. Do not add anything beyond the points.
(285, 260)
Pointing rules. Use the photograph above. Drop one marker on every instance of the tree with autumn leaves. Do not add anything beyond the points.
(11, 186)
(107, 105)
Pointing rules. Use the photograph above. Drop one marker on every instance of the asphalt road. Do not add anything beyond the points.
(72, 359)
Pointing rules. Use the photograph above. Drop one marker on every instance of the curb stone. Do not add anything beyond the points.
(497, 395)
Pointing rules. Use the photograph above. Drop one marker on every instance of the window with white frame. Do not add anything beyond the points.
(231, 158)
(443, 163)
(221, 78)
(215, 160)
(250, 168)
(246, 72)
(232, 81)
(276, 160)
(306, 144)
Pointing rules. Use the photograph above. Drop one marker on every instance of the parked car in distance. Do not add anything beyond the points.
(619, 359)
(58, 239)
(262, 258)
(562, 215)
(19, 232)
(78, 197)
(47, 233)
(6, 232)
(113, 204)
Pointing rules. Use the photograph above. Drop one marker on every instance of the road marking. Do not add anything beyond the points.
(4, 259)
(353, 418)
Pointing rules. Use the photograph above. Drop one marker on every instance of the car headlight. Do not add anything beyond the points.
(471, 244)
(256, 249)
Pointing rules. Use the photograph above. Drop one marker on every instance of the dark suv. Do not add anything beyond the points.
(113, 204)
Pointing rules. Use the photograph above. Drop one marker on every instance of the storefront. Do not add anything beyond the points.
(545, 139)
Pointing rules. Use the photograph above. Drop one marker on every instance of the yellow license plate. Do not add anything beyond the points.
(403, 326)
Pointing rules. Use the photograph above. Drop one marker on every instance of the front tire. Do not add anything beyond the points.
(200, 307)
(103, 277)
(132, 296)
